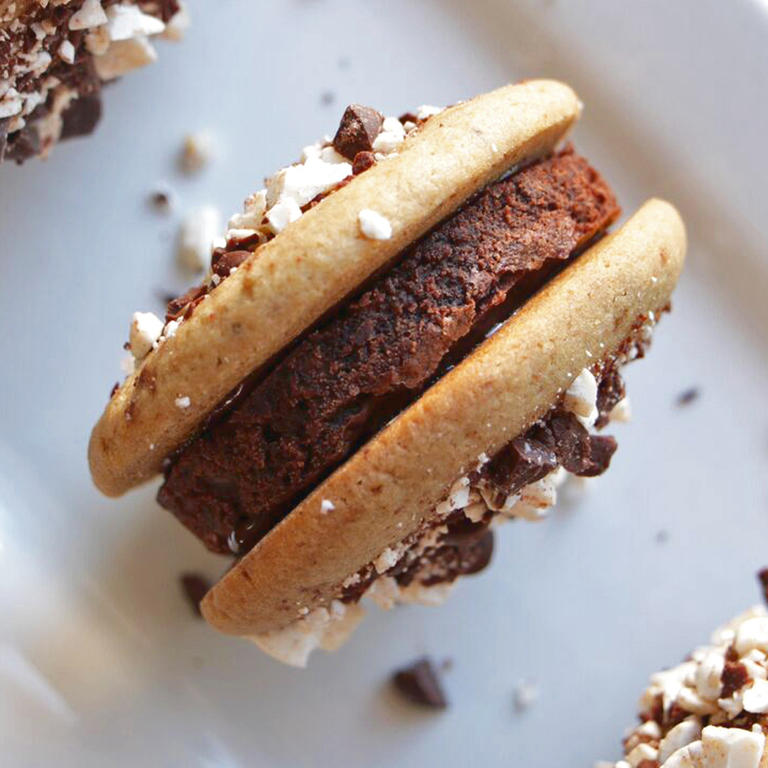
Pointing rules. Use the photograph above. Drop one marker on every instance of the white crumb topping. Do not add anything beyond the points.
(90, 15)
(146, 329)
(197, 232)
(622, 411)
(128, 21)
(581, 398)
(197, 151)
(123, 56)
(283, 213)
(708, 737)
(183, 402)
(326, 506)
(373, 225)
(426, 111)
(390, 138)
(66, 52)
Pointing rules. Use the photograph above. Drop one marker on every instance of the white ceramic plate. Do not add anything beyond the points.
(100, 660)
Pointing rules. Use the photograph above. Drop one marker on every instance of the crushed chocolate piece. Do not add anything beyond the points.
(762, 577)
(688, 396)
(579, 452)
(610, 393)
(114, 390)
(23, 144)
(734, 677)
(195, 587)
(420, 684)
(81, 117)
(375, 355)
(228, 261)
(178, 307)
(362, 162)
(358, 130)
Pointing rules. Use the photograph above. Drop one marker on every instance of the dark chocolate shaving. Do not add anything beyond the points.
(81, 117)
(420, 684)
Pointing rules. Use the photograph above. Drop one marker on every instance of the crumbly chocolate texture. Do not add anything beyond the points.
(19, 44)
(345, 380)
(420, 684)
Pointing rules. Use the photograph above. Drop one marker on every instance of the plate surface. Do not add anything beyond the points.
(101, 662)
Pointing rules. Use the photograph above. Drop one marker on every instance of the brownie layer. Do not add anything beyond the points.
(345, 380)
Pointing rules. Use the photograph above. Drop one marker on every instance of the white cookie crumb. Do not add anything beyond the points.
(581, 397)
(182, 402)
(90, 15)
(327, 506)
(66, 52)
(124, 56)
(426, 111)
(391, 136)
(283, 213)
(146, 329)
(178, 24)
(526, 695)
(373, 225)
(197, 232)
(127, 21)
(197, 151)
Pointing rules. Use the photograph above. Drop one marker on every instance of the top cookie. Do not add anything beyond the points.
(293, 280)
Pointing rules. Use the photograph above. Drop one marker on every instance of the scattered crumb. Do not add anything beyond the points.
(762, 577)
(327, 98)
(526, 695)
(420, 684)
(197, 151)
(373, 225)
(195, 586)
(162, 199)
(688, 396)
(662, 536)
(183, 402)
(327, 506)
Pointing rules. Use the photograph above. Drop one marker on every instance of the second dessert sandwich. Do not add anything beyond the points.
(408, 336)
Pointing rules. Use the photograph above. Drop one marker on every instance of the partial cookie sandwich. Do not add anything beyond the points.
(55, 55)
(411, 335)
(711, 711)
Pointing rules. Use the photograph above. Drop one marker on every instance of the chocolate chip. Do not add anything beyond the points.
(229, 261)
(734, 677)
(762, 577)
(688, 396)
(358, 129)
(362, 162)
(195, 587)
(601, 450)
(420, 684)
(81, 117)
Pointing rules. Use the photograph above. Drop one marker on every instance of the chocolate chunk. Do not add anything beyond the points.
(601, 450)
(572, 442)
(688, 396)
(420, 684)
(195, 587)
(734, 677)
(23, 144)
(362, 162)
(525, 460)
(358, 129)
(178, 306)
(762, 577)
(610, 392)
(229, 261)
(81, 117)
